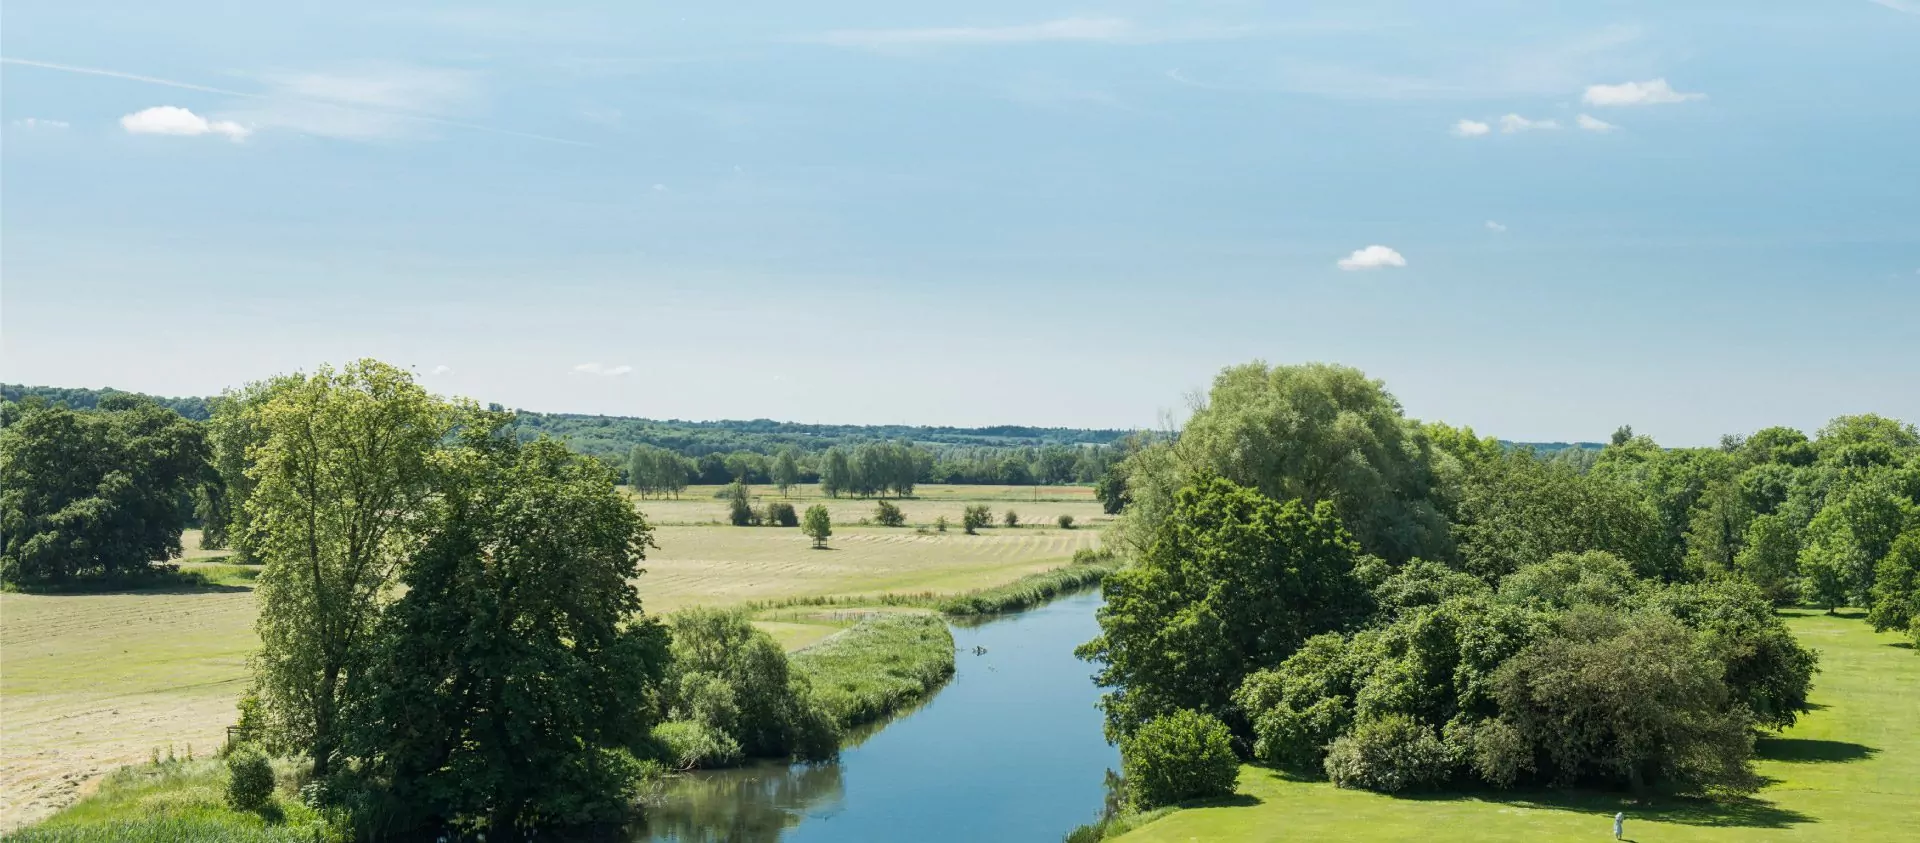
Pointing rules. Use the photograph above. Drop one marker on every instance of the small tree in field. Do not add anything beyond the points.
(740, 507)
(1065, 522)
(1011, 519)
(817, 525)
(940, 524)
(888, 515)
(975, 517)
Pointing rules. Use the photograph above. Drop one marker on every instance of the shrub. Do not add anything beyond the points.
(1011, 518)
(739, 509)
(940, 524)
(1388, 754)
(1180, 756)
(782, 515)
(887, 515)
(1065, 521)
(687, 745)
(975, 517)
(249, 778)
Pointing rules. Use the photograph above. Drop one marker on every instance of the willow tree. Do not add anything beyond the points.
(341, 472)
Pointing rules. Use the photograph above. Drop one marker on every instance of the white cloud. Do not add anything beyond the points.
(440, 370)
(41, 123)
(1515, 123)
(1099, 30)
(1372, 257)
(1650, 92)
(1495, 227)
(603, 371)
(173, 120)
(1594, 124)
(1471, 128)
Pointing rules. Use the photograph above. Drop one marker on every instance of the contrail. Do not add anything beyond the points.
(189, 86)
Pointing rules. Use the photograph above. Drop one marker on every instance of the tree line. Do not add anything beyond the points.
(1329, 587)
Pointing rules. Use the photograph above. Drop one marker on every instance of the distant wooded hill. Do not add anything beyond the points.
(615, 435)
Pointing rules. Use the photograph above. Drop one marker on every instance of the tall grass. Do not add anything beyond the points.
(1087, 570)
(878, 666)
(172, 801)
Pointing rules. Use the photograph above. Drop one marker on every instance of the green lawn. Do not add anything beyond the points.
(1848, 771)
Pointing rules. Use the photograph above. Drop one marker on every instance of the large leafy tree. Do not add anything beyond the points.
(513, 678)
(342, 474)
(95, 493)
(233, 430)
(1316, 433)
(1232, 582)
(1516, 510)
(1896, 585)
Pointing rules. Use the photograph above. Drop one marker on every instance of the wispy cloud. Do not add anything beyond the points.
(1650, 92)
(41, 123)
(174, 120)
(1496, 227)
(603, 371)
(1909, 6)
(1594, 124)
(1100, 30)
(1471, 71)
(352, 105)
(1512, 123)
(1470, 129)
(1371, 257)
(439, 370)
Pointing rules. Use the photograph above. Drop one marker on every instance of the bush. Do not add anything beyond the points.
(249, 778)
(1180, 756)
(887, 515)
(782, 515)
(975, 517)
(1011, 518)
(1388, 754)
(940, 524)
(739, 509)
(687, 745)
(1065, 521)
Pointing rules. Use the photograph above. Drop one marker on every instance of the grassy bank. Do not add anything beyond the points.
(878, 666)
(173, 801)
(1849, 770)
(1089, 568)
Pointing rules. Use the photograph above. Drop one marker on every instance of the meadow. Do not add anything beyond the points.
(90, 682)
(1849, 770)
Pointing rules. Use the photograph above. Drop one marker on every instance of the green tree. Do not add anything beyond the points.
(95, 493)
(739, 507)
(1010, 518)
(1768, 557)
(1516, 510)
(232, 429)
(343, 473)
(1851, 534)
(1896, 584)
(1232, 582)
(734, 679)
(786, 471)
(817, 525)
(506, 690)
(836, 475)
(887, 515)
(975, 517)
(1180, 756)
(1315, 433)
(1717, 529)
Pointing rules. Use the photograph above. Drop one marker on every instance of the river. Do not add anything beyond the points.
(1009, 750)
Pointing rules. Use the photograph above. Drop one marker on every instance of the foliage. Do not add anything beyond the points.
(173, 801)
(1388, 754)
(192, 409)
(782, 514)
(512, 677)
(694, 745)
(95, 494)
(1896, 585)
(786, 471)
(974, 517)
(1010, 518)
(655, 471)
(1065, 521)
(1516, 510)
(343, 472)
(1314, 433)
(739, 507)
(1032, 589)
(940, 524)
(734, 680)
(249, 778)
(817, 525)
(1176, 757)
(1231, 583)
(886, 514)
(877, 667)
(1769, 557)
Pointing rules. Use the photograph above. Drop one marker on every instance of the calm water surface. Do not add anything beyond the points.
(1011, 750)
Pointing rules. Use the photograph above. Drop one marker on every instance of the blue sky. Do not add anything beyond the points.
(1695, 218)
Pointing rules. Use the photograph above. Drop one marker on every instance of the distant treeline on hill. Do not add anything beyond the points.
(196, 409)
(615, 435)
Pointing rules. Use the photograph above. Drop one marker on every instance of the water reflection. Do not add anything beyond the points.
(1010, 749)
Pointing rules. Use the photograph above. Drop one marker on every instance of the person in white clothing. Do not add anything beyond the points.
(1619, 824)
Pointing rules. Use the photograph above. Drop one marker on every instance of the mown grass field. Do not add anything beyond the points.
(1849, 771)
(1037, 505)
(90, 682)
